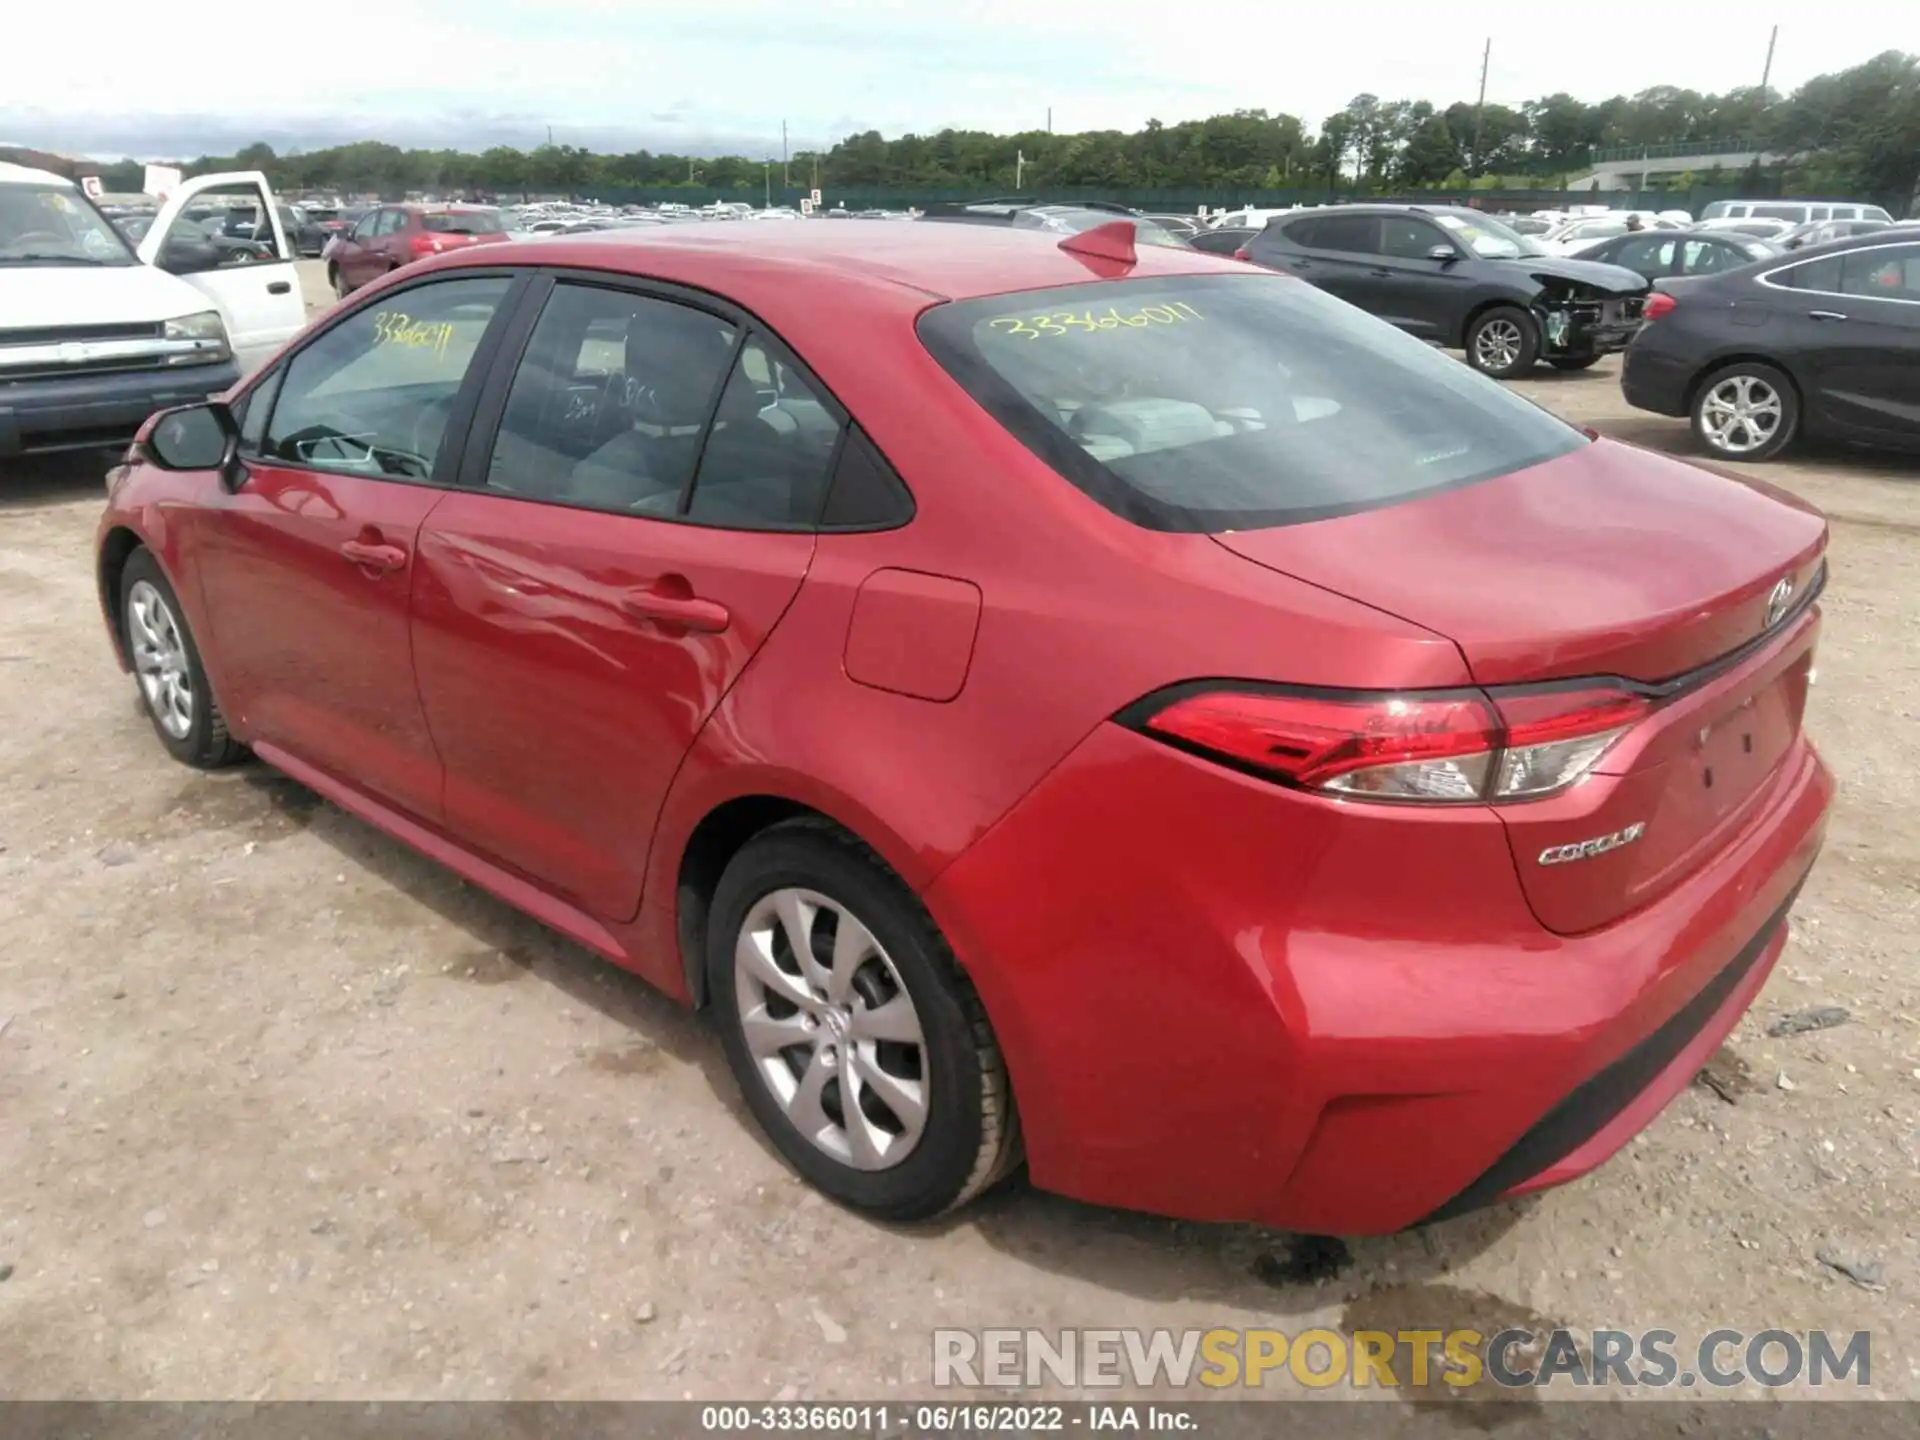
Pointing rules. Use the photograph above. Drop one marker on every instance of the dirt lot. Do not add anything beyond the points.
(286, 1111)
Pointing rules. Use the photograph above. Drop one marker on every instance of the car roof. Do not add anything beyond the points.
(759, 265)
(1897, 233)
(11, 174)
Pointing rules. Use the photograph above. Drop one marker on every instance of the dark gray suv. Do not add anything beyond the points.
(1460, 278)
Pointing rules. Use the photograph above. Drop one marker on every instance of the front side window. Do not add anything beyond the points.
(369, 223)
(610, 401)
(1408, 239)
(371, 396)
(1353, 234)
(1220, 402)
(1889, 272)
(55, 225)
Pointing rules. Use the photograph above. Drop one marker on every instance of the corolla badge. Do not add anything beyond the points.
(1599, 845)
(1779, 602)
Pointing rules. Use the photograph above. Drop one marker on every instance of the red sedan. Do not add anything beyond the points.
(1046, 700)
(386, 238)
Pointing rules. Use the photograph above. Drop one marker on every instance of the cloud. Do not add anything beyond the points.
(709, 75)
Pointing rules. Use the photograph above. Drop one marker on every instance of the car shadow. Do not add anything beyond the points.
(1674, 437)
(38, 480)
(1144, 1256)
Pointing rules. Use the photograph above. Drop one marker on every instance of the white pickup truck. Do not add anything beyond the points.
(95, 335)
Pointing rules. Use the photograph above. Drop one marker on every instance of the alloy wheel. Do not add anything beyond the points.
(831, 1029)
(1498, 344)
(160, 659)
(1740, 414)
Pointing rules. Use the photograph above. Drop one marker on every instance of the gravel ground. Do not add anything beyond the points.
(286, 1111)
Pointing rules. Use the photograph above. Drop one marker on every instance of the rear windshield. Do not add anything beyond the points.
(461, 222)
(1230, 402)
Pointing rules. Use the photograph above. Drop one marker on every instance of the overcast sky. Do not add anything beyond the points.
(720, 75)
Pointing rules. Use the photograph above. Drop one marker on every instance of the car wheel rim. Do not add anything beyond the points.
(160, 659)
(1740, 414)
(831, 1030)
(1497, 345)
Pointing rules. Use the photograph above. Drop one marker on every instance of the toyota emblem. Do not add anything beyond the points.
(1779, 602)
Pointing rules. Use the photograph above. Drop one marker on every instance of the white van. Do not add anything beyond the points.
(1794, 212)
(95, 335)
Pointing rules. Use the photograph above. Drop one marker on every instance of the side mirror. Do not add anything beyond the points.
(196, 437)
(1445, 254)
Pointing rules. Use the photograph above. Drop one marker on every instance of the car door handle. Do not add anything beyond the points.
(688, 611)
(1825, 315)
(373, 555)
(1301, 264)
(1382, 274)
(279, 287)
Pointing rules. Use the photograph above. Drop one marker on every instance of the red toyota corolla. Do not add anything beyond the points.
(1113, 710)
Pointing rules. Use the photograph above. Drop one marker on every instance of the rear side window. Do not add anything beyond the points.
(1822, 275)
(1355, 233)
(1222, 402)
(1890, 272)
(461, 222)
(770, 452)
(610, 400)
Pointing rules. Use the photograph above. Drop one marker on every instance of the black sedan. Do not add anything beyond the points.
(1663, 254)
(1826, 343)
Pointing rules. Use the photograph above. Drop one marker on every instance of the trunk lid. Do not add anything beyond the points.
(1606, 562)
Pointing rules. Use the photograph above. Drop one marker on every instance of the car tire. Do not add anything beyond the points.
(792, 1030)
(1574, 362)
(1745, 411)
(168, 676)
(1503, 342)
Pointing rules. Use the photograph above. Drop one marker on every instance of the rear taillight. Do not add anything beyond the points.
(1242, 254)
(420, 245)
(1451, 747)
(1658, 303)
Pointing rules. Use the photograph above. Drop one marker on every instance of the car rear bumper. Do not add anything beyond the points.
(1651, 379)
(80, 412)
(1226, 1001)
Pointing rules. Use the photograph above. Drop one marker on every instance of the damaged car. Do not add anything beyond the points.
(1456, 277)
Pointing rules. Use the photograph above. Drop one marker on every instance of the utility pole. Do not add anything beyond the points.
(786, 165)
(768, 177)
(549, 137)
(1049, 119)
(1480, 105)
(1766, 72)
(1019, 168)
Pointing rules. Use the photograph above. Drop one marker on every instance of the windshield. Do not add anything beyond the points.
(1225, 402)
(1490, 239)
(56, 225)
(461, 222)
